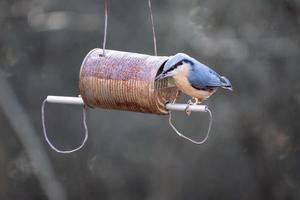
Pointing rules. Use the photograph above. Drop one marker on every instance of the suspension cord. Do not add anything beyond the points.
(105, 27)
(153, 30)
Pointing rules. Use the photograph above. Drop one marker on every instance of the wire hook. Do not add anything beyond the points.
(46, 135)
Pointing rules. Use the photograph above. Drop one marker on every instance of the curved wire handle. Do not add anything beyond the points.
(46, 135)
(190, 139)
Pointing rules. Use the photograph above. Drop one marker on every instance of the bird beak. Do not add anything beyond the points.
(160, 76)
(229, 88)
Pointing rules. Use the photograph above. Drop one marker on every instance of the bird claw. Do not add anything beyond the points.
(190, 102)
(188, 112)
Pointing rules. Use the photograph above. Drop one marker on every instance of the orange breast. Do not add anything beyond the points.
(183, 84)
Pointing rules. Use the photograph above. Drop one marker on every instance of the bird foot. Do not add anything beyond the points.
(190, 102)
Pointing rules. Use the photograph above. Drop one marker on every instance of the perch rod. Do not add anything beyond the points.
(169, 106)
(65, 100)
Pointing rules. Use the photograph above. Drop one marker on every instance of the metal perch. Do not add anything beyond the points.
(79, 101)
(169, 106)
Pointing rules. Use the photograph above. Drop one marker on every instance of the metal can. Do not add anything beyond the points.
(125, 81)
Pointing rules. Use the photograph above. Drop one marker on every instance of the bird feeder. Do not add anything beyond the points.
(124, 81)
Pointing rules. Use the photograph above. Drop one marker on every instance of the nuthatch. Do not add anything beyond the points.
(192, 77)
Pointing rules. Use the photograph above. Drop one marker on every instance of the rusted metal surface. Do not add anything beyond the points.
(124, 81)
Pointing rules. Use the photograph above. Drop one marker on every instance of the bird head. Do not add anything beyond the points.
(173, 71)
(180, 63)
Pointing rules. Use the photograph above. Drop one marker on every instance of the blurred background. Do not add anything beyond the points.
(253, 150)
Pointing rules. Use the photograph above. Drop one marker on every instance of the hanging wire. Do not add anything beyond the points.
(105, 27)
(46, 135)
(187, 138)
(153, 30)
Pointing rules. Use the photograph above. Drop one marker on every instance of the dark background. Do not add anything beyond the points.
(253, 150)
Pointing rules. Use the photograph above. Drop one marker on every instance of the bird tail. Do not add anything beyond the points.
(225, 83)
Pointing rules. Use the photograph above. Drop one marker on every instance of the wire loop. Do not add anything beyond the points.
(188, 138)
(46, 135)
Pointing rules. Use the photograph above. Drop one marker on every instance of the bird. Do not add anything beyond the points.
(193, 78)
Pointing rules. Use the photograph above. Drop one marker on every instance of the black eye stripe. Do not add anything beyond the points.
(174, 67)
(187, 61)
(179, 63)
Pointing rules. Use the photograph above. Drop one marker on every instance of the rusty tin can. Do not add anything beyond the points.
(125, 81)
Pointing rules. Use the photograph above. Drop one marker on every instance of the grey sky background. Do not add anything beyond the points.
(253, 150)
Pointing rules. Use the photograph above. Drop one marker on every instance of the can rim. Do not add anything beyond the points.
(80, 71)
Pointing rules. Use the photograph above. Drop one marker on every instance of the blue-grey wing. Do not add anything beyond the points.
(202, 77)
(197, 80)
